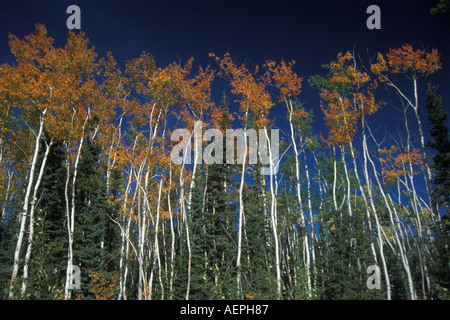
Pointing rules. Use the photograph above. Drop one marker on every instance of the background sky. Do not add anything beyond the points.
(309, 32)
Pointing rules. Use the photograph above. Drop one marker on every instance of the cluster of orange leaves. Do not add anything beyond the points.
(406, 59)
(351, 99)
(147, 292)
(284, 78)
(396, 165)
(251, 88)
(57, 84)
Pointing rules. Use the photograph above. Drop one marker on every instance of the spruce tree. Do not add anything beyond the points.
(199, 246)
(49, 256)
(441, 147)
(440, 144)
(92, 227)
(259, 272)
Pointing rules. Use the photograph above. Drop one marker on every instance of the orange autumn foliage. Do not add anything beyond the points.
(396, 165)
(284, 78)
(406, 60)
(56, 83)
(350, 99)
(251, 88)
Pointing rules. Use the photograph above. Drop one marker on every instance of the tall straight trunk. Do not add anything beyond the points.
(71, 215)
(334, 178)
(123, 239)
(172, 233)
(426, 286)
(142, 226)
(125, 235)
(363, 192)
(71, 222)
(425, 166)
(403, 256)
(7, 195)
(273, 212)
(322, 186)
(241, 217)
(111, 162)
(306, 251)
(31, 227)
(24, 213)
(311, 219)
(156, 256)
(377, 222)
(127, 252)
(197, 158)
(185, 222)
(349, 202)
(400, 243)
(188, 242)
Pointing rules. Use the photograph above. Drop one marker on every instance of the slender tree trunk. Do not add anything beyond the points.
(426, 286)
(24, 213)
(185, 222)
(273, 214)
(71, 223)
(306, 251)
(172, 233)
(241, 217)
(156, 257)
(363, 192)
(312, 225)
(334, 178)
(31, 227)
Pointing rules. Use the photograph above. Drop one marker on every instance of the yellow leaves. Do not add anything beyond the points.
(100, 287)
(251, 295)
(147, 292)
(166, 214)
(427, 216)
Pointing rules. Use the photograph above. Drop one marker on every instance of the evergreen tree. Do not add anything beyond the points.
(441, 145)
(6, 254)
(213, 220)
(50, 245)
(259, 272)
(220, 227)
(92, 227)
(200, 247)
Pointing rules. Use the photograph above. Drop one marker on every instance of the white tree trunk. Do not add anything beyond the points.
(306, 250)
(71, 223)
(241, 217)
(24, 213)
(31, 227)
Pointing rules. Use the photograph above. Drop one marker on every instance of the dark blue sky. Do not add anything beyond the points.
(310, 32)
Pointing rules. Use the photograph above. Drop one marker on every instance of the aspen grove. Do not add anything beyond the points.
(87, 178)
